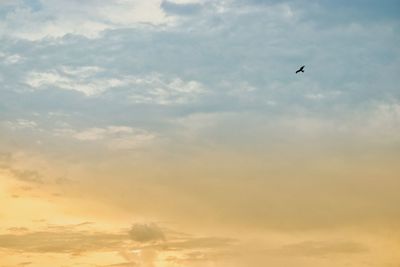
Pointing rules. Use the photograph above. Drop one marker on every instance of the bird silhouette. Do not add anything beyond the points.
(300, 70)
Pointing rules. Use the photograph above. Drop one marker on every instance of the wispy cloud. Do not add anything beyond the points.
(61, 242)
(27, 175)
(321, 248)
(77, 79)
(116, 137)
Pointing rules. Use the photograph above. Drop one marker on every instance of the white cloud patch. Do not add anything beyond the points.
(116, 137)
(125, 12)
(159, 90)
(89, 18)
(90, 80)
(21, 124)
(11, 59)
(81, 79)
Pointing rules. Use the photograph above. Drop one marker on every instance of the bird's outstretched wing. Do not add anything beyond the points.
(301, 69)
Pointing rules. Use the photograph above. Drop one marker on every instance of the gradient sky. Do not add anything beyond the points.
(154, 133)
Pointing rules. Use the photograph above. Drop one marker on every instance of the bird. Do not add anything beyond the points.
(300, 70)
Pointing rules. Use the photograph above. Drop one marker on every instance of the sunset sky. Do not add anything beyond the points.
(154, 133)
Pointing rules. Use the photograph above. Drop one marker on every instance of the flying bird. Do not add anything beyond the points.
(300, 70)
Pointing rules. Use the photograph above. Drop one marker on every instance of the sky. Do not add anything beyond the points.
(169, 133)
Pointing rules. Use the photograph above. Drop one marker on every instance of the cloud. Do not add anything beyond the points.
(384, 120)
(90, 81)
(202, 70)
(26, 263)
(22, 124)
(141, 244)
(322, 248)
(123, 264)
(116, 137)
(146, 233)
(11, 59)
(79, 79)
(8, 163)
(190, 243)
(71, 242)
(27, 176)
(35, 20)
(185, 248)
(155, 89)
(18, 229)
(197, 257)
(180, 8)
(335, 12)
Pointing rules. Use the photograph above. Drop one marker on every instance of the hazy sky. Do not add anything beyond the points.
(154, 133)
